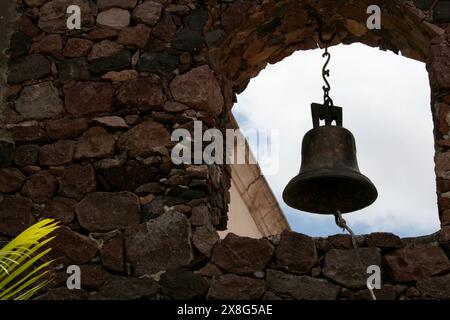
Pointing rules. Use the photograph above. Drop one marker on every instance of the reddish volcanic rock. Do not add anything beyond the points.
(413, 263)
(62, 293)
(95, 143)
(160, 244)
(439, 59)
(27, 27)
(112, 254)
(135, 36)
(128, 288)
(120, 76)
(296, 252)
(204, 240)
(30, 67)
(148, 13)
(114, 18)
(235, 15)
(198, 89)
(40, 187)
(384, 241)
(57, 154)
(15, 214)
(183, 284)
(104, 49)
(125, 4)
(77, 181)
(53, 16)
(165, 29)
(59, 208)
(300, 287)
(142, 139)
(11, 179)
(172, 106)
(102, 32)
(39, 101)
(27, 132)
(110, 122)
(242, 255)
(77, 47)
(340, 241)
(232, 287)
(142, 93)
(50, 44)
(343, 267)
(130, 176)
(66, 128)
(26, 155)
(106, 211)
(85, 98)
(70, 247)
(435, 287)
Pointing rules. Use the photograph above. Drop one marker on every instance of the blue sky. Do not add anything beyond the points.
(386, 104)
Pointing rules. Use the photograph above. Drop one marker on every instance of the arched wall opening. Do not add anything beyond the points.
(385, 100)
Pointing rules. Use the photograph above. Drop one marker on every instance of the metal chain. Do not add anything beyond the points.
(327, 101)
(340, 222)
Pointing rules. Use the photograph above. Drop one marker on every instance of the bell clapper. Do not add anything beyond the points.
(341, 223)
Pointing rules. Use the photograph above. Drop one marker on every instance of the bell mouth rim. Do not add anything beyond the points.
(364, 181)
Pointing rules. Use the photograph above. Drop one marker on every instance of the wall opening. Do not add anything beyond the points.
(386, 101)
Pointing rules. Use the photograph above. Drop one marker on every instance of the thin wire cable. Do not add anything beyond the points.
(340, 222)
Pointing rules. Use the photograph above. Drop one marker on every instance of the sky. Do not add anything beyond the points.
(386, 105)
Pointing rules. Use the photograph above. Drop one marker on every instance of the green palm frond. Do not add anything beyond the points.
(20, 267)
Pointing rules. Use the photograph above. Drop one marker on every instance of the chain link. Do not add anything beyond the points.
(327, 101)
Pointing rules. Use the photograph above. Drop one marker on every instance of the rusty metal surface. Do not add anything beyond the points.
(329, 178)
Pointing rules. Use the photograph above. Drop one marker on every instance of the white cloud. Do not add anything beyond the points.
(386, 101)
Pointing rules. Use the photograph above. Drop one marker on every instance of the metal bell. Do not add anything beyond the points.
(329, 178)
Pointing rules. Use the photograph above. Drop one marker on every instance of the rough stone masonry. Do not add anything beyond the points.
(86, 118)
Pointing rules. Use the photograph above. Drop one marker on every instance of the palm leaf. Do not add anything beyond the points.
(20, 267)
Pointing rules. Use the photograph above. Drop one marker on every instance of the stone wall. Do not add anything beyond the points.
(91, 111)
(287, 266)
